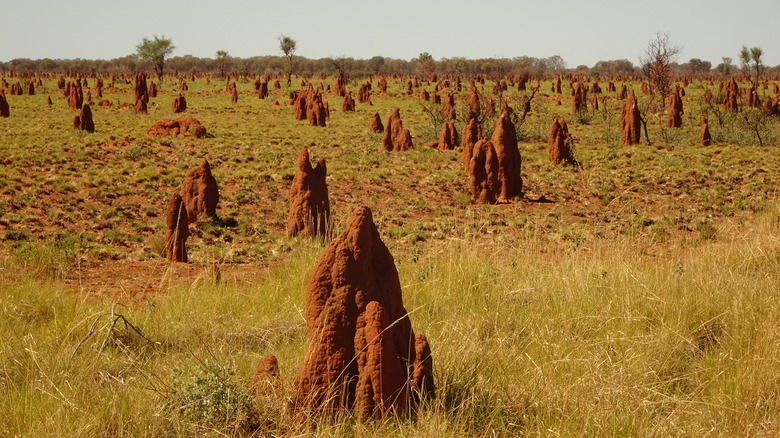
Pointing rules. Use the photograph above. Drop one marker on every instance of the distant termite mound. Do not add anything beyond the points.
(179, 104)
(177, 230)
(75, 95)
(705, 137)
(200, 192)
(376, 124)
(580, 102)
(448, 137)
(316, 111)
(558, 144)
(396, 137)
(182, 126)
(631, 121)
(731, 101)
(309, 204)
(504, 141)
(448, 107)
(364, 93)
(140, 89)
(472, 133)
(483, 173)
(362, 354)
(349, 103)
(674, 118)
(83, 121)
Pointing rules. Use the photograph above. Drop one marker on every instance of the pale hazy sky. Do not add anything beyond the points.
(580, 31)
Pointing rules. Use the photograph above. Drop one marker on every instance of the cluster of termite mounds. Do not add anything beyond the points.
(309, 106)
(395, 137)
(199, 195)
(494, 166)
(362, 355)
(178, 127)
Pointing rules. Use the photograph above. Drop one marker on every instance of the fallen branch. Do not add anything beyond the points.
(115, 318)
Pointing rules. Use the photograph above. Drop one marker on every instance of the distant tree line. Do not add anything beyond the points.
(223, 63)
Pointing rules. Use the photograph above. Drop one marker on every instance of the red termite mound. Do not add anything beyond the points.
(472, 133)
(5, 109)
(179, 104)
(316, 112)
(362, 353)
(473, 102)
(731, 101)
(376, 124)
(448, 137)
(558, 143)
(674, 118)
(200, 192)
(265, 375)
(75, 96)
(177, 230)
(309, 203)
(623, 92)
(580, 102)
(630, 121)
(349, 103)
(364, 93)
(483, 173)
(140, 89)
(448, 107)
(140, 106)
(182, 126)
(396, 137)
(705, 137)
(83, 121)
(262, 91)
(504, 141)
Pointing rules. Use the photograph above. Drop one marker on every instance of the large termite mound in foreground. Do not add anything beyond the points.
(362, 353)
(309, 204)
(177, 230)
(200, 192)
(182, 126)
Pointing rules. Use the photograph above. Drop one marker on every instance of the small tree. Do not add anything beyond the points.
(155, 51)
(376, 63)
(223, 59)
(426, 66)
(288, 46)
(753, 54)
(657, 63)
(724, 67)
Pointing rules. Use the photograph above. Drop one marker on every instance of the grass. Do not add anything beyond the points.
(590, 341)
(640, 302)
